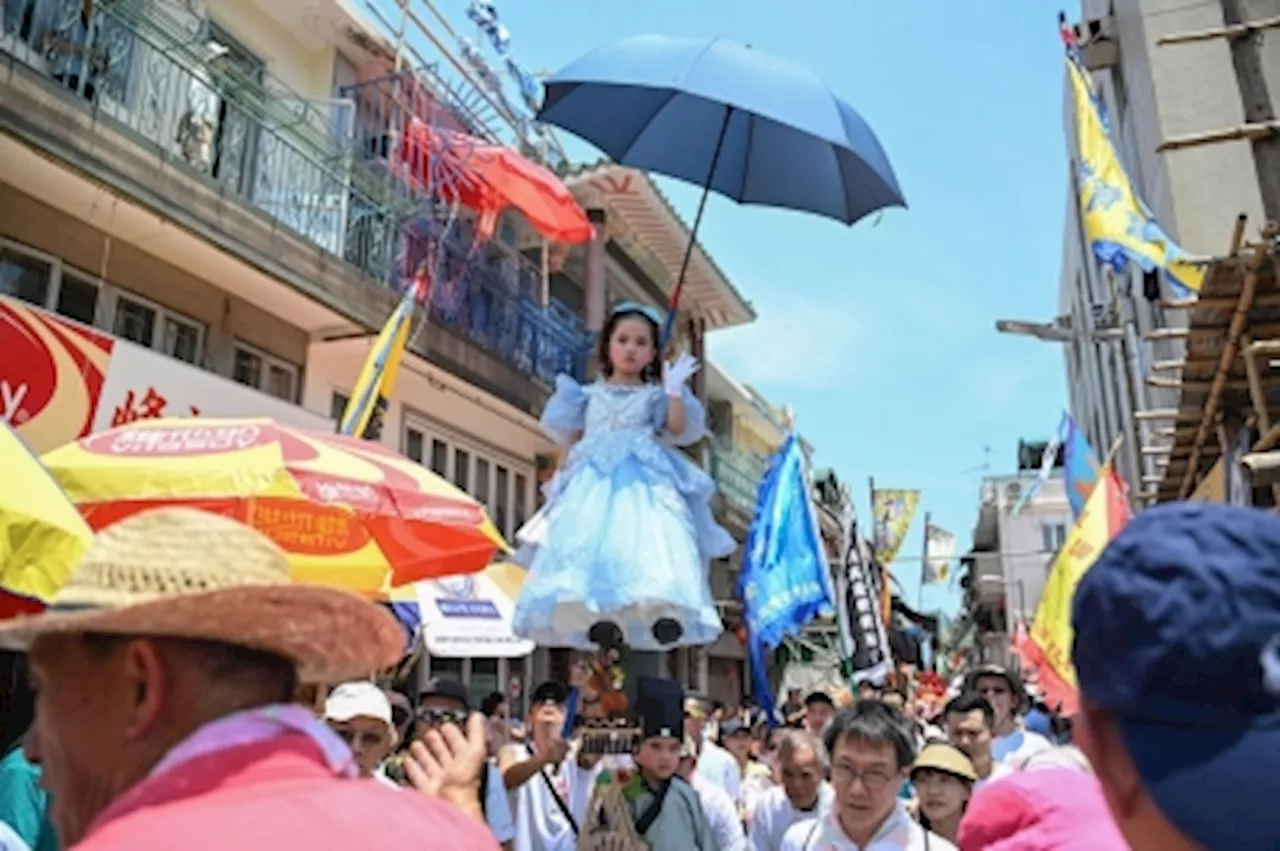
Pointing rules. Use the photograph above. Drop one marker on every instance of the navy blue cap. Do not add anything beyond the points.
(1177, 635)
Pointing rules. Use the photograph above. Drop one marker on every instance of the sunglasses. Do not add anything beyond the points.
(439, 717)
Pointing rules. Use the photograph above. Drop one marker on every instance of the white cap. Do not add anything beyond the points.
(357, 700)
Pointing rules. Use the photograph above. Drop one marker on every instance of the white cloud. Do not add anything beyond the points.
(798, 343)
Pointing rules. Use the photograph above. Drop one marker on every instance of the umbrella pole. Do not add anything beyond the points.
(669, 326)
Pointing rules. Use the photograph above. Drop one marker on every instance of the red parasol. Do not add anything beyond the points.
(489, 178)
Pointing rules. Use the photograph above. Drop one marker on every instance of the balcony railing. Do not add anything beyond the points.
(316, 167)
(489, 304)
(737, 475)
(168, 81)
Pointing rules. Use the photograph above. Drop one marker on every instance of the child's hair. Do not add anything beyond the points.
(653, 371)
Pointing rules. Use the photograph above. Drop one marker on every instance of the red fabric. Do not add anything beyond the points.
(489, 178)
(271, 796)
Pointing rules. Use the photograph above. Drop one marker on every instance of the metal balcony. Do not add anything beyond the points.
(169, 82)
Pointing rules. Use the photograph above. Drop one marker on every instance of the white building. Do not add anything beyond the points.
(1013, 553)
(1152, 93)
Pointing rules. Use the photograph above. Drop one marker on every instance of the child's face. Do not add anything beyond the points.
(659, 757)
(631, 346)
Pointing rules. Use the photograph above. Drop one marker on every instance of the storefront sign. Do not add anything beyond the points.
(60, 381)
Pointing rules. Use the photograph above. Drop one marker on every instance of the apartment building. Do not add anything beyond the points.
(204, 211)
(1012, 553)
(1153, 93)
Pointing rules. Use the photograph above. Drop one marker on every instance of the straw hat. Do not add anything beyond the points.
(182, 573)
(940, 756)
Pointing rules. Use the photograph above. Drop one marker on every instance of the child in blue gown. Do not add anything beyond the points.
(621, 553)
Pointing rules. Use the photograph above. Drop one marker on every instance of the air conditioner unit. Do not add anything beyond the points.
(1098, 46)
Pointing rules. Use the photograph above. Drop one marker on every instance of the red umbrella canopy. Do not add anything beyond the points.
(489, 178)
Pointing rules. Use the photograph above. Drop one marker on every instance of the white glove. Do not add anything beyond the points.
(676, 374)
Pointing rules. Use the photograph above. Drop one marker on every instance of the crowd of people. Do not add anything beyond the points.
(166, 700)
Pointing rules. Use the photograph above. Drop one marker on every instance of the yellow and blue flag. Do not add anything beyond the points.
(1117, 224)
(363, 415)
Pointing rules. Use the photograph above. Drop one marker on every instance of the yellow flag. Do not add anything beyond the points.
(1105, 514)
(893, 511)
(1117, 225)
(378, 375)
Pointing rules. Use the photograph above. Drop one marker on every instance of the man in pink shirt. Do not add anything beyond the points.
(164, 672)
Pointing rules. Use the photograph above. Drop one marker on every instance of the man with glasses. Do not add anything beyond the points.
(871, 752)
(444, 701)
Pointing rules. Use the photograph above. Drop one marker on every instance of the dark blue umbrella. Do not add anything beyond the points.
(728, 118)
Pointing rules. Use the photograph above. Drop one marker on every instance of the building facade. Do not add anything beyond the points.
(1012, 554)
(1128, 332)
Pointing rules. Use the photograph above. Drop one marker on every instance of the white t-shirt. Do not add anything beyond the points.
(540, 823)
(722, 815)
(10, 841)
(1018, 746)
(774, 815)
(717, 765)
(900, 832)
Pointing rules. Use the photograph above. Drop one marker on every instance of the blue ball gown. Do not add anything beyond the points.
(627, 534)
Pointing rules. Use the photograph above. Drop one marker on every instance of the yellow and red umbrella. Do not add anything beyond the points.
(349, 513)
(42, 538)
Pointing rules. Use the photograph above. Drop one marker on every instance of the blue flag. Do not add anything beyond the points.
(785, 580)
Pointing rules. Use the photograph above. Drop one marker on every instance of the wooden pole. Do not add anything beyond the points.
(1231, 31)
(1229, 351)
(924, 563)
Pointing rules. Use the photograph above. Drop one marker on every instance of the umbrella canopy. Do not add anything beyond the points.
(490, 178)
(42, 536)
(348, 513)
(748, 125)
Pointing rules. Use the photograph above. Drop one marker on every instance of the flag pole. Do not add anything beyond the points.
(924, 564)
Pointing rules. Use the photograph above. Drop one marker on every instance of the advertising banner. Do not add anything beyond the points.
(60, 381)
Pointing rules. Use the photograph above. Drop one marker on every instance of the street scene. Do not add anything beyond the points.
(449, 424)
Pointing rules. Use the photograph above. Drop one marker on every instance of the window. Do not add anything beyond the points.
(338, 405)
(181, 340)
(413, 444)
(481, 491)
(446, 667)
(264, 372)
(135, 322)
(439, 457)
(77, 298)
(139, 322)
(500, 496)
(520, 506)
(46, 282)
(483, 681)
(1052, 536)
(462, 469)
(24, 277)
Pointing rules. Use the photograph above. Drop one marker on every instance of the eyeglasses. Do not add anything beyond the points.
(874, 780)
(438, 717)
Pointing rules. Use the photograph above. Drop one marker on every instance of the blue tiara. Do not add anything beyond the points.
(644, 310)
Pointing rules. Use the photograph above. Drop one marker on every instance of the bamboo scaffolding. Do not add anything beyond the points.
(1230, 31)
(1250, 131)
(1228, 354)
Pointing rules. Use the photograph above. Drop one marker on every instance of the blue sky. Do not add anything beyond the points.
(902, 375)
